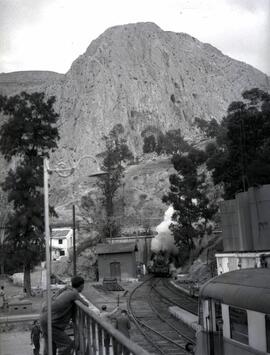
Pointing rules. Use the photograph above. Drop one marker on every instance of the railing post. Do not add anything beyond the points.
(94, 340)
(75, 329)
(107, 342)
(100, 340)
(115, 346)
(88, 347)
(82, 334)
(98, 337)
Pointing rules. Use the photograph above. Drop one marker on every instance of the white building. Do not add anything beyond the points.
(61, 242)
(241, 260)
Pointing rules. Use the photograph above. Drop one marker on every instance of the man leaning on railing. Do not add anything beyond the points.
(63, 310)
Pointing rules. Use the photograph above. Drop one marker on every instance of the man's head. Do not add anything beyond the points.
(77, 282)
(104, 307)
(124, 312)
(190, 348)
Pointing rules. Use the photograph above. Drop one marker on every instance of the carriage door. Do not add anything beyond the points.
(115, 270)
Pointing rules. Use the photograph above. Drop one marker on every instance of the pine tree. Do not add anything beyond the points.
(28, 134)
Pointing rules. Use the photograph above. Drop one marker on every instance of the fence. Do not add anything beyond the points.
(94, 336)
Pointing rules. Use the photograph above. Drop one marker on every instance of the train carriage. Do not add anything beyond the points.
(235, 314)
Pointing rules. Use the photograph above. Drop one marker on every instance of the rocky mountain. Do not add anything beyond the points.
(142, 77)
(146, 79)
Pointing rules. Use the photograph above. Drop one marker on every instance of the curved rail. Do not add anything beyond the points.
(163, 318)
(184, 301)
(173, 336)
(139, 324)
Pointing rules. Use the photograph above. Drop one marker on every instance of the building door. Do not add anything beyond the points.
(115, 270)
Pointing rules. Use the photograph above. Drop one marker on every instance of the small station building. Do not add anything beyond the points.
(117, 260)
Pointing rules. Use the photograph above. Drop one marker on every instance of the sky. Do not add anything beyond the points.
(51, 34)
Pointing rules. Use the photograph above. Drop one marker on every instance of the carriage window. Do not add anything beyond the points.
(238, 324)
(267, 327)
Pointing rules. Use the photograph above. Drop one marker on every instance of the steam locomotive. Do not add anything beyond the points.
(160, 264)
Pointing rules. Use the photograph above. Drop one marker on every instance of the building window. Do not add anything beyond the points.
(238, 324)
(62, 252)
(60, 241)
(267, 328)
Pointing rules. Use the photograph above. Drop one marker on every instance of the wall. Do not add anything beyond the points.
(257, 331)
(234, 261)
(229, 225)
(226, 320)
(259, 204)
(127, 264)
(245, 220)
(63, 246)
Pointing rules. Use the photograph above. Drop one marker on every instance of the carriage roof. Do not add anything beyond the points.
(247, 288)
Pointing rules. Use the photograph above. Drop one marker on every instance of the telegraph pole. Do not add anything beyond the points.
(48, 256)
(74, 241)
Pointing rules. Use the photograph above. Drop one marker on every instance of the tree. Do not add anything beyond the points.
(174, 142)
(4, 210)
(149, 144)
(169, 143)
(115, 154)
(188, 196)
(209, 128)
(28, 134)
(240, 158)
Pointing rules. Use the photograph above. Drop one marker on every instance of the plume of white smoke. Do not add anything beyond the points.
(164, 240)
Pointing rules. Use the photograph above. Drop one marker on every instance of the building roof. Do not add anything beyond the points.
(246, 288)
(115, 248)
(59, 233)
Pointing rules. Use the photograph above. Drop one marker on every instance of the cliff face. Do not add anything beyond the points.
(142, 77)
(145, 78)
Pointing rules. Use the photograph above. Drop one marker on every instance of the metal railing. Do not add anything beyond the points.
(95, 336)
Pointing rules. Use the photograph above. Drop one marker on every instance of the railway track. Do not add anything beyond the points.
(163, 334)
(176, 297)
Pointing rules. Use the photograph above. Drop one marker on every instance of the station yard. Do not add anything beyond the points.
(15, 336)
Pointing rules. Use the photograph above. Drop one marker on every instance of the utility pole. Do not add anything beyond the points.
(74, 241)
(48, 256)
(64, 172)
